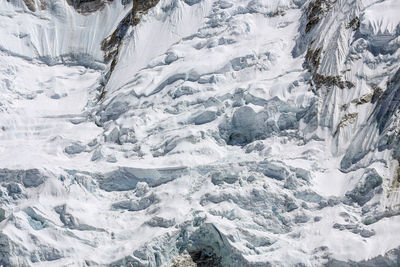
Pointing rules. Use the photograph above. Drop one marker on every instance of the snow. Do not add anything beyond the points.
(209, 133)
(382, 23)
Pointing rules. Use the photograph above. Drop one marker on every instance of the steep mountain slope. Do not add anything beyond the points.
(199, 133)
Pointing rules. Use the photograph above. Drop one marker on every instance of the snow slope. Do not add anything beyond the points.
(228, 133)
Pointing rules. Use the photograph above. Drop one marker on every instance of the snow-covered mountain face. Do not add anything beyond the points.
(199, 133)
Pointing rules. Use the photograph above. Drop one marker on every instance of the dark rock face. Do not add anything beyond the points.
(111, 43)
(88, 6)
(30, 4)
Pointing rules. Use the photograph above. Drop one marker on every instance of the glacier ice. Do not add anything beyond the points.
(199, 133)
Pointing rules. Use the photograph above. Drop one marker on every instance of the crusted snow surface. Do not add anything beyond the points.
(224, 133)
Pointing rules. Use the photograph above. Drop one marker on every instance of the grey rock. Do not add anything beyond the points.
(87, 6)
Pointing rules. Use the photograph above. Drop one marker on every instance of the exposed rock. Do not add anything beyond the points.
(88, 6)
(30, 4)
(314, 11)
(363, 99)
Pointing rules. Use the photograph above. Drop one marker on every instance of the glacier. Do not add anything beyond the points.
(199, 133)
